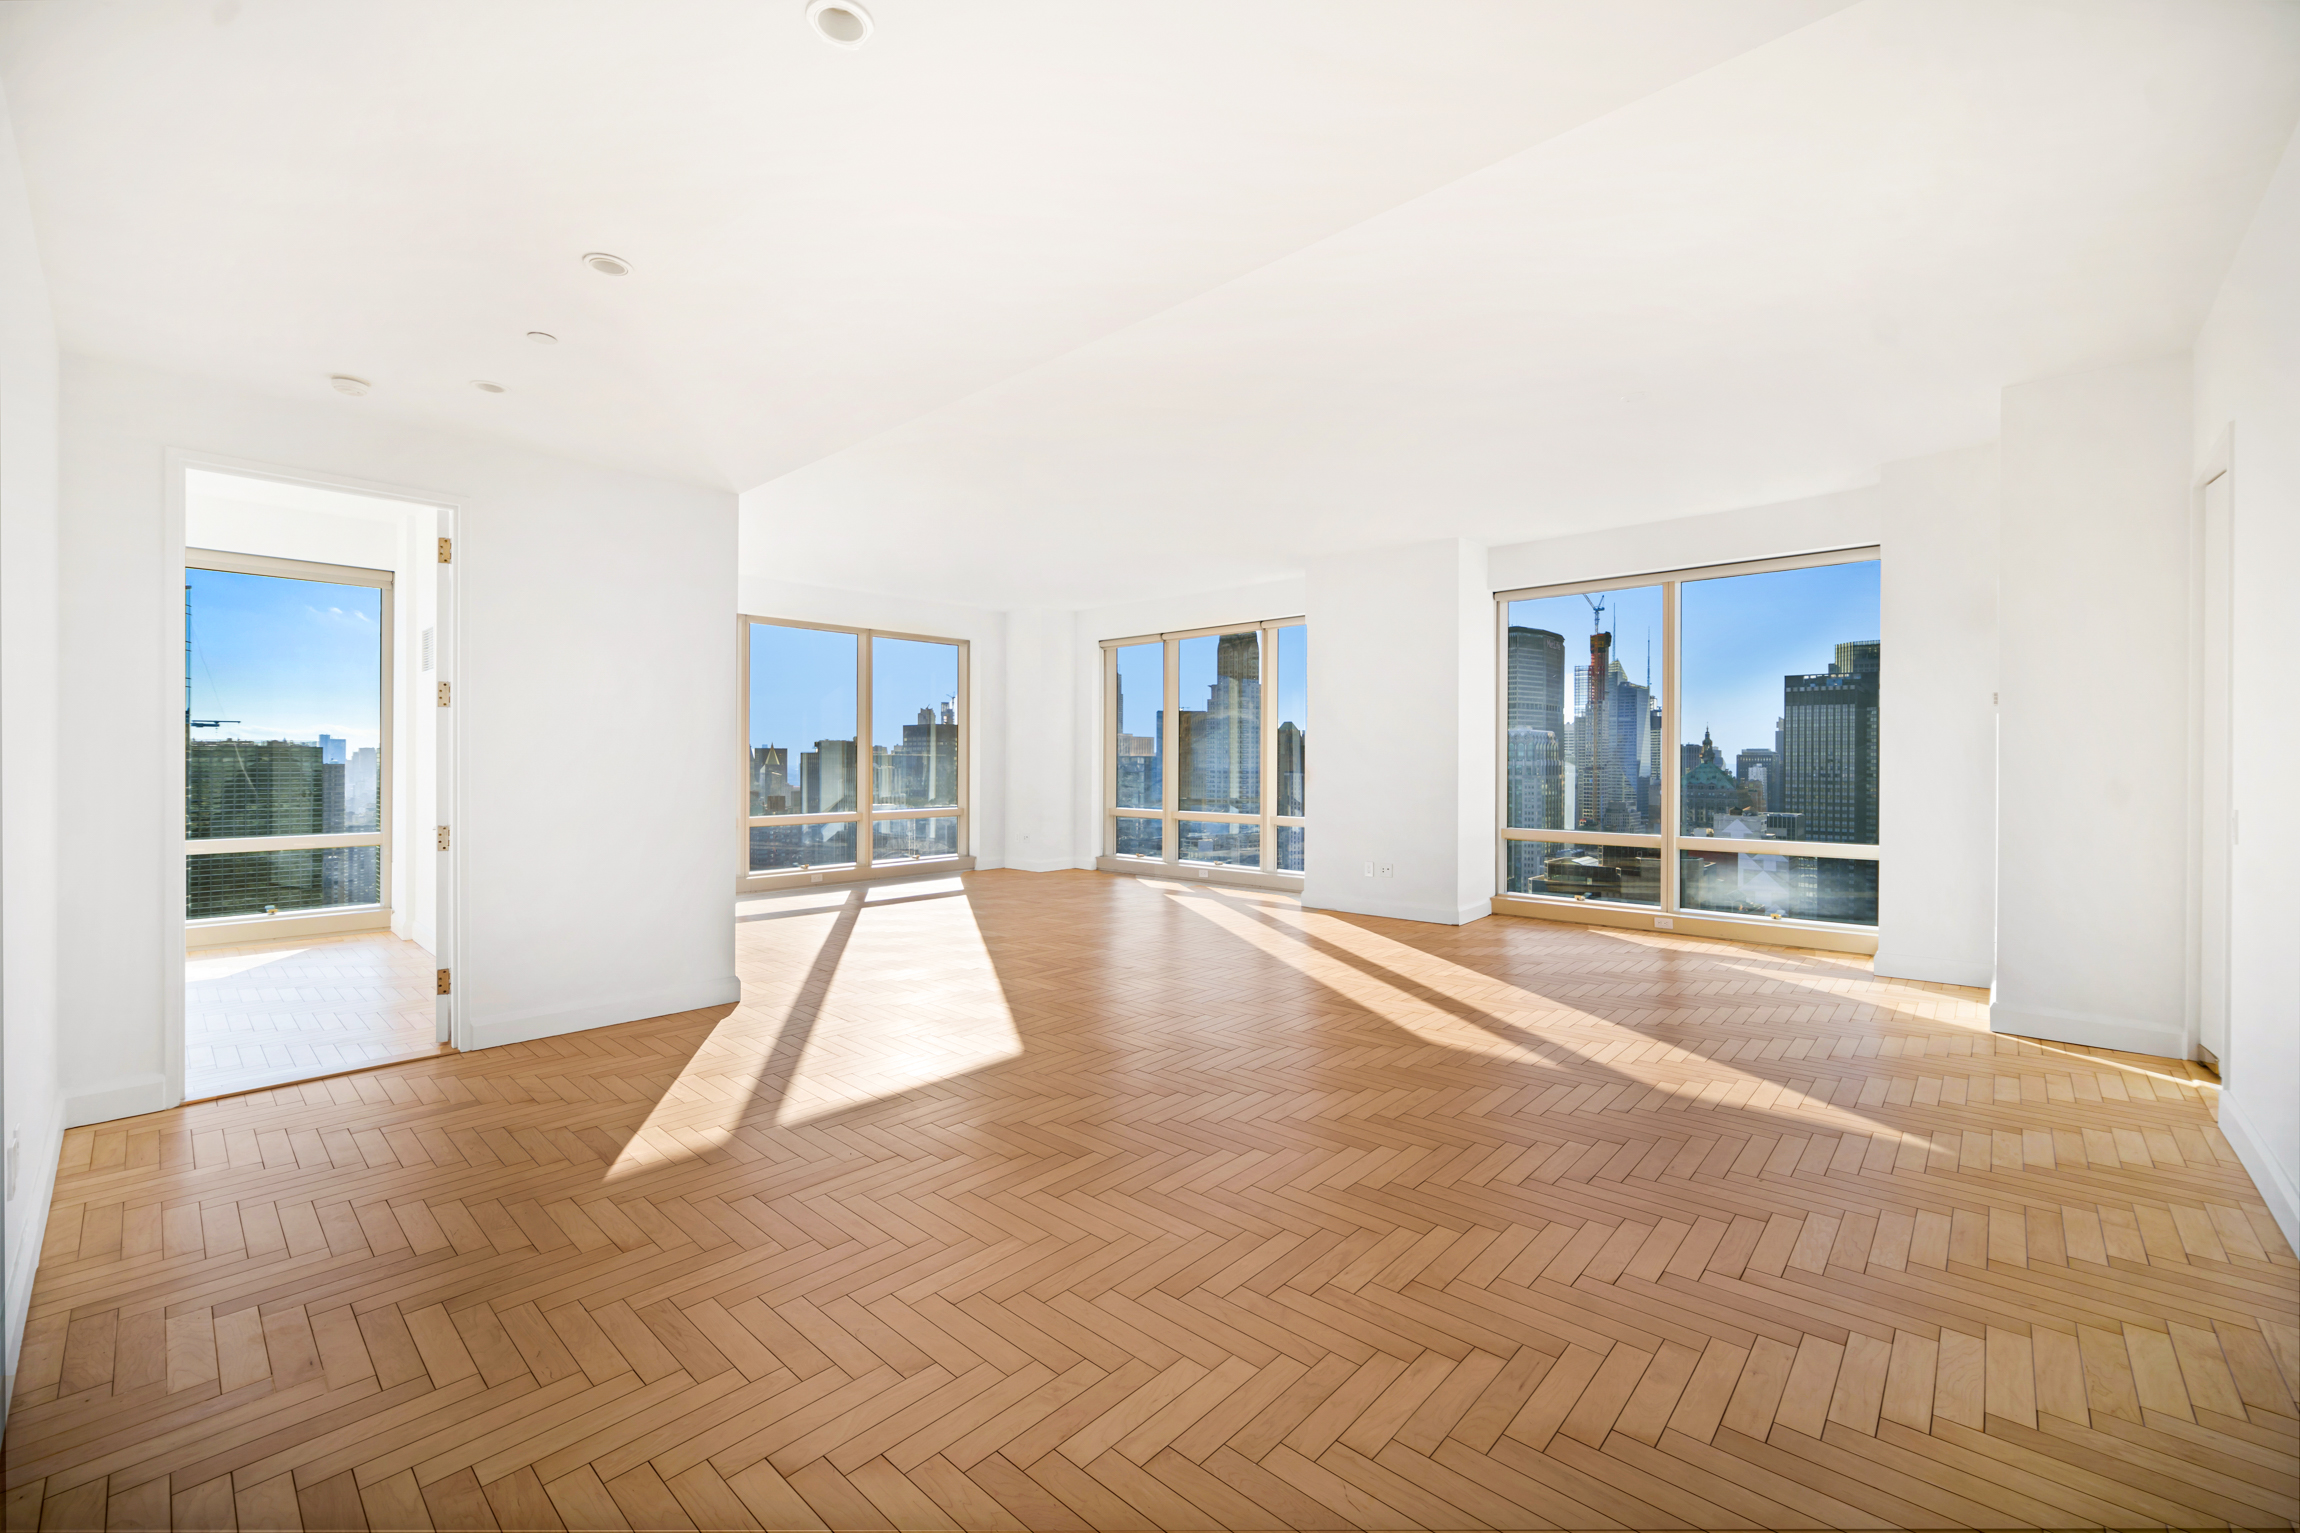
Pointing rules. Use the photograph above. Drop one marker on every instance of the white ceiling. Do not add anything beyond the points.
(1059, 302)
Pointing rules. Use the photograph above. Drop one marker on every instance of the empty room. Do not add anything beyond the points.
(1305, 765)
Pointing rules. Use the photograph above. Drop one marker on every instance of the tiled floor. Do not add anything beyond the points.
(1063, 1201)
(273, 1012)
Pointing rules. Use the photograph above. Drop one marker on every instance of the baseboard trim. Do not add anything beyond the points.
(1434, 915)
(1832, 939)
(1041, 865)
(24, 1263)
(129, 1096)
(2129, 1035)
(2275, 1182)
(1933, 970)
(497, 1032)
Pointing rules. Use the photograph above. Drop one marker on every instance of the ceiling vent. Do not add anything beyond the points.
(345, 383)
(607, 265)
(841, 23)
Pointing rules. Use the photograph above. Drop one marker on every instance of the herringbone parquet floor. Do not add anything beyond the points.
(1070, 1201)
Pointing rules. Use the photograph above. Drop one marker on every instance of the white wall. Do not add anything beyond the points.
(292, 521)
(2247, 387)
(1045, 722)
(592, 679)
(764, 592)
(1401, 767)
(31, 1103)
(1937, 899)
(2092, 766)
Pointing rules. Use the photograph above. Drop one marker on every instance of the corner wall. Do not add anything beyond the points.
(31, 1099)
(2092, 766)
(593, 664)
(2247, 388)
(1938, 525)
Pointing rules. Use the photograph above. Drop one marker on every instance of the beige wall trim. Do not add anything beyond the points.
(1806, 934)
(236, 931)
(800, 878)
(1199, 873)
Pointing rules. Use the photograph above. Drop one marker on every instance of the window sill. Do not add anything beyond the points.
(1806, 934)
(800, 878)
(334, 920)
(1200, 873)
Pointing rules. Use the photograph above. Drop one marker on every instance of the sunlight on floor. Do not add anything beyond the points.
(903, 994)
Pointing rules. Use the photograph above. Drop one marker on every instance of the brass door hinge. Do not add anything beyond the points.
(447, 550)
(443, 695)
(446, 983)
(443, 838)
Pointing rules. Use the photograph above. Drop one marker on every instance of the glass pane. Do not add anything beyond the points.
(901, 840)
(1141, 837)
(1140, 748)
(1799, 888)
(1221, 843)
(1290, 848)
(284, 708)
(913, 724)
(1582, 737)
(1221, 743)
(260, 883)
(1780, 698)
(829, 845)
(1622, 875)
(802, 724)
(1293, 720)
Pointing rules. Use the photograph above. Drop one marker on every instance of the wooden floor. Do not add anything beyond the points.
(272, 1012)
(1072, 1201)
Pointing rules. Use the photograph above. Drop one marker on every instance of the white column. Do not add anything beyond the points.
(1401, 766)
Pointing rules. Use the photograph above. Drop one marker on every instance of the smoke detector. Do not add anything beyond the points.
(841, 23)
(345, 383)
(607, 265)
(485, 387)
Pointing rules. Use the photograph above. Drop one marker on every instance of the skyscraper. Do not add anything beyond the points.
(1222, 742)
(1535, 721)
(1829, 754)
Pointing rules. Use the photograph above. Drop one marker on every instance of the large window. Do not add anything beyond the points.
(1236, 796)
(287, 749)
(855, 755)
(1702, 742)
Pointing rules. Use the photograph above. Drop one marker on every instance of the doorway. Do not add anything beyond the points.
(313, 643)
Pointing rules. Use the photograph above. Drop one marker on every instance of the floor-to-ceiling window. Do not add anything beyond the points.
(1699, 743)
(287, 743)
(1229, 707)
(854, 758)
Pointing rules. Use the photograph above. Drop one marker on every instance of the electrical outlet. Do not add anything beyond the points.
(1369, 870)
(1389, 870)
(814, 878)
(1664, 923)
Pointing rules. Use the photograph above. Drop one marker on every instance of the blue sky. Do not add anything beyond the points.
(1741, 635)
(290, 659)
(803, 685)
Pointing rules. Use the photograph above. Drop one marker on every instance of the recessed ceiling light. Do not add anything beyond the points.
(542, 337)
(607, 265)
(345, 383)
(485, 387)
(841, 23)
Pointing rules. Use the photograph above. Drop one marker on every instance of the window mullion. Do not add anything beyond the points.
(865, 785)
(1169, 787)
(1269, 748)
(1672, 773)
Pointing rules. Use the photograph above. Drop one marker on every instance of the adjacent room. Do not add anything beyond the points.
(842, 764)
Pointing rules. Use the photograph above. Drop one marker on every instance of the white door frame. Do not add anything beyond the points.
(2212, 757)
(448, 913)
